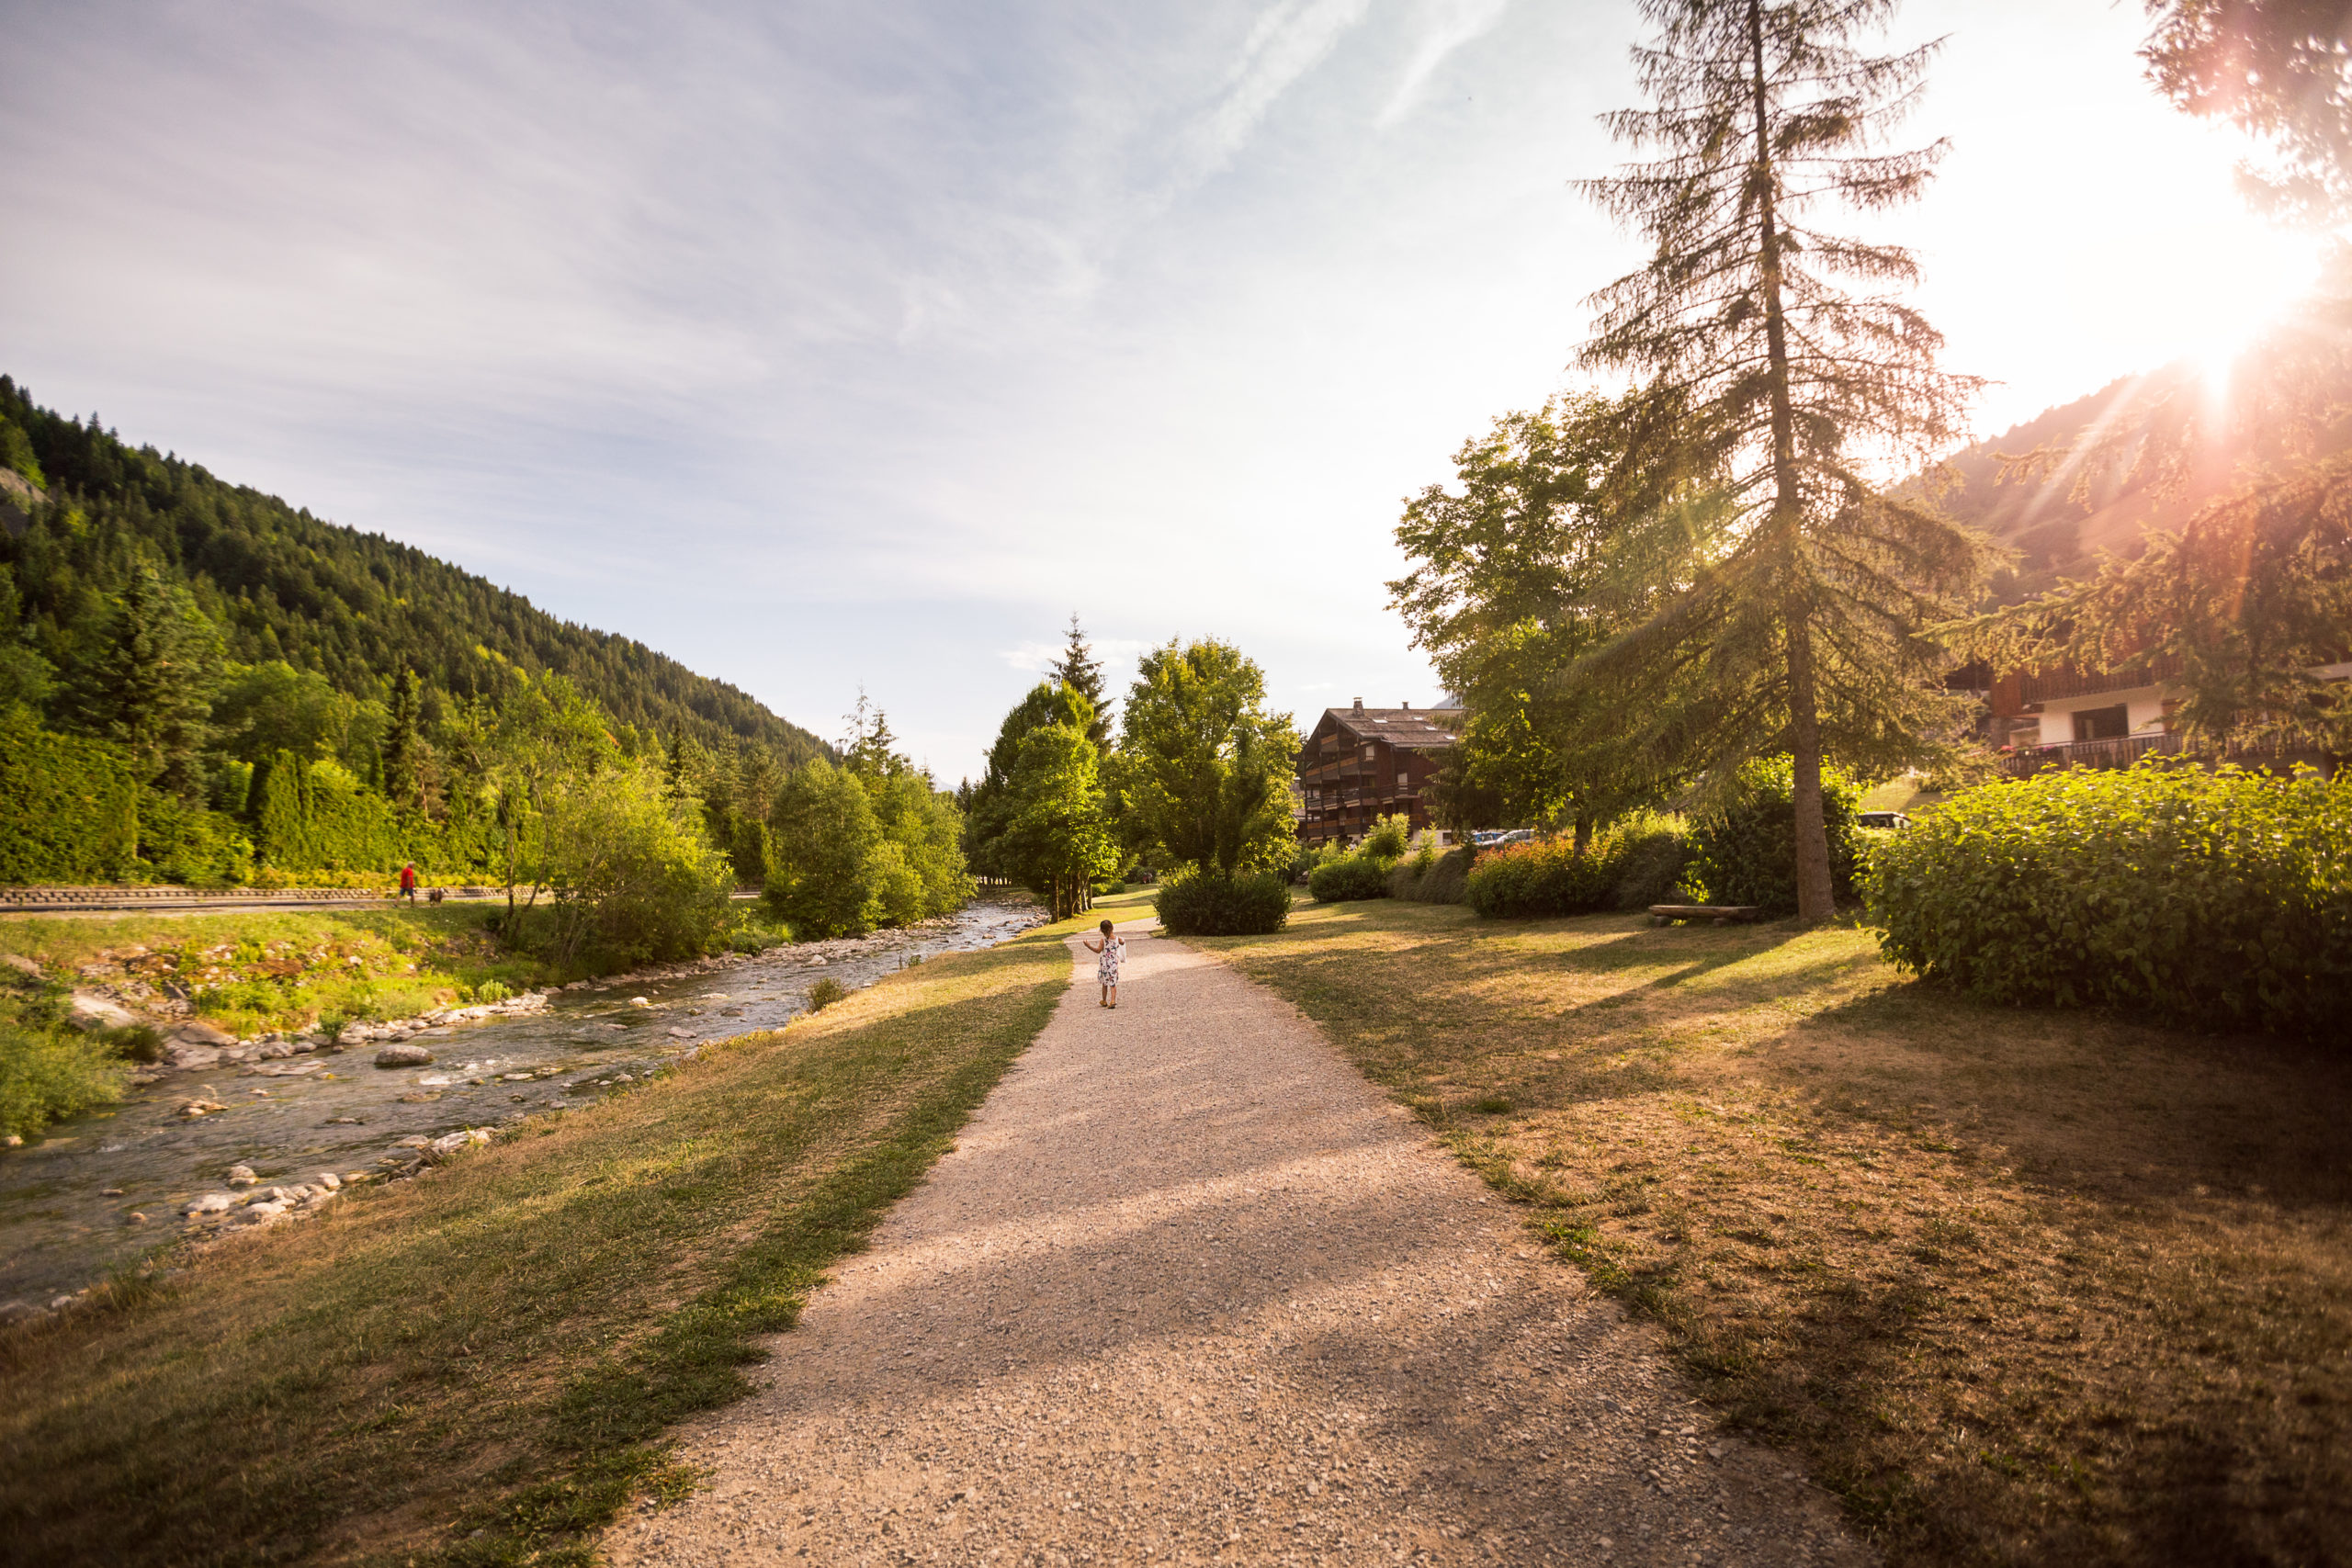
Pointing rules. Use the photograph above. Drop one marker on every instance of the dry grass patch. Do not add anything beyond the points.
(478, 1367)
(2022, 1286)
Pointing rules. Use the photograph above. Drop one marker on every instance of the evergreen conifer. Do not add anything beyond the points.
(1773, 374)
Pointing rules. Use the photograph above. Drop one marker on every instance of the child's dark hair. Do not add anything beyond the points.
(1106, 927)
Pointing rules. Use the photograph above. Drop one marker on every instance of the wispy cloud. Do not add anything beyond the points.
(1446, 26)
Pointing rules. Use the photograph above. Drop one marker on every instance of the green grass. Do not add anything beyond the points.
(2021, 1287)
(261, 970)
(478, 1367)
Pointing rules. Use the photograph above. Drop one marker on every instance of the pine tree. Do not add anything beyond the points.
(1078, 669)
(148, 687)
(1773, 374)
(405, 743)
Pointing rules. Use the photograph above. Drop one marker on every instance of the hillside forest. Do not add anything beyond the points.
(201, 685)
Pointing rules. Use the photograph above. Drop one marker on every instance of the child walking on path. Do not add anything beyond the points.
(1113, 948)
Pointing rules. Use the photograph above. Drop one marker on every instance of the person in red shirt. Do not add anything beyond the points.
(408, 882)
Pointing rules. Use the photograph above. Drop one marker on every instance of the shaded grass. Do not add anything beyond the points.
(2022, 1287)
(478, 1367)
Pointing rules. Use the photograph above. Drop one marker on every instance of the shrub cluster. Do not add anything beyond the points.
(1548, 876)
(2221, 898)
(1432, 878)
(1207, 902)
(1632, 867)
(1348, 876)
(1745, 849)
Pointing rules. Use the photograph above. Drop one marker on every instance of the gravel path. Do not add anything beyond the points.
(1191, 1291)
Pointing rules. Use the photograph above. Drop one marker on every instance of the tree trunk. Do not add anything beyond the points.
(1584, 834)
(1815, 901)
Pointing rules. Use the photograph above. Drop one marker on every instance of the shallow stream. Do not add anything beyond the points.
(66, 1200)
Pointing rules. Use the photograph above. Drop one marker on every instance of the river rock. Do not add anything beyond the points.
(403, 1056)
(329, 1179)
(210, 1203)
(195, 1031)
(444, 1148)
(192, 1108)
(22, 965)
(191, 1057)
(276, 1049)
(90, 1010)
(640, 1002)
(287, 1069)
(242, 1175)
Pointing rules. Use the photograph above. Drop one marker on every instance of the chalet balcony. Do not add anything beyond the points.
(2120, 751)
(2123, 751)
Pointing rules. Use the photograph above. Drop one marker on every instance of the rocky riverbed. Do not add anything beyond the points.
(229, 1132)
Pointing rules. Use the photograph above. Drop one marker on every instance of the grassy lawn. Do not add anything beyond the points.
(266, 969)
(2022, 1287)
(478, 1367)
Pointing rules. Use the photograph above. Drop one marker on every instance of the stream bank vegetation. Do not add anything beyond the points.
(479, 1367)
(2019, 1286)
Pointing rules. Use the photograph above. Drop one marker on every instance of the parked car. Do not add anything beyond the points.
(1495, 838)
(1883, 820)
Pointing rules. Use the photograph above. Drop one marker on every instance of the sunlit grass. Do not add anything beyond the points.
(2021, 1286)
(500, 1346)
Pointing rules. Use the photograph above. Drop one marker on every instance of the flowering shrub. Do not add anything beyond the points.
(2211, 899)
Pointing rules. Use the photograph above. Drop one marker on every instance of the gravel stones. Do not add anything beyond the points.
(403, 1056)
(210, 1203)
(1191, 1291)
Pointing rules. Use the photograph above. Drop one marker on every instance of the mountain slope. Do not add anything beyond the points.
(356, 607)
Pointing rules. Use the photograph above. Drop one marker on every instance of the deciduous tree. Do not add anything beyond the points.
(1203, 771)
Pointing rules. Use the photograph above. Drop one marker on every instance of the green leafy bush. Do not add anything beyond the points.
(1432, 878)
(1654, 858)
(2212, 899)
(1745, 849)
(1207, 902)
(634, 878)
(1348, 876)
(1549, 876)
(825, 993)
(1389, 839)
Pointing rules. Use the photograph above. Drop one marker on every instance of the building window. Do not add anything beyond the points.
(1367, 751)
(2102, 723)
(1404, 781)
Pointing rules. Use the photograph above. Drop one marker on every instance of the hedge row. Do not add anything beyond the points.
(2218, 899)
(71, 811)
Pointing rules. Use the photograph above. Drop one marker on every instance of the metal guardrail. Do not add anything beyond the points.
(79, 900)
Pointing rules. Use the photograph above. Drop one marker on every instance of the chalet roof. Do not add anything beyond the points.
(1415, 729)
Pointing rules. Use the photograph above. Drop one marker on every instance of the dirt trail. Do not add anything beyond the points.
(1191, 1291)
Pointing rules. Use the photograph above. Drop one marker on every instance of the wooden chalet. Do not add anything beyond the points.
(2064, 717)
(1361, 763)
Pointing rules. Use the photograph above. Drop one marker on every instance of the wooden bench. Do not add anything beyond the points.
(1721, 914)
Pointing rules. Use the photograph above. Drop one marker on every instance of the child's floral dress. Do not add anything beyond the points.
(1106, 967)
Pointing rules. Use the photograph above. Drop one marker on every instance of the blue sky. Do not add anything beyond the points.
(856, 345)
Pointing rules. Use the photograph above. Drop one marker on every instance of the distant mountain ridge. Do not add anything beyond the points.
(2060, 525)
(360, 608)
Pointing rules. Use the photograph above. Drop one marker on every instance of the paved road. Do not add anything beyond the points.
(1192, 1291)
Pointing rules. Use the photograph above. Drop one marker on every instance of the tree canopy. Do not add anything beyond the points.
(1203, 771)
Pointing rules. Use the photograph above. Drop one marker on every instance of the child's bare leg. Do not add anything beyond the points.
(1112, 990)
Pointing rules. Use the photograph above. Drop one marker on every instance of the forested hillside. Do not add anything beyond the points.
(280, 584)
(2140, 453)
